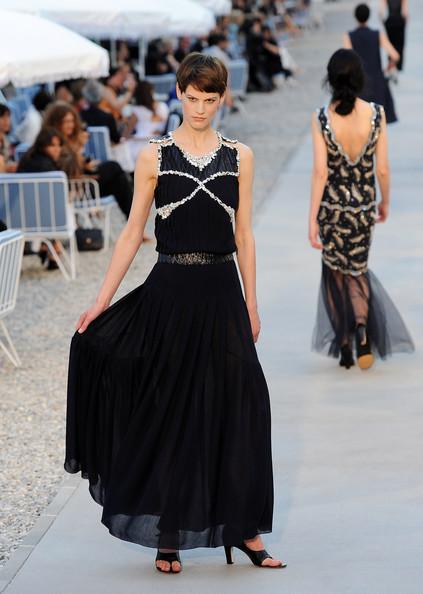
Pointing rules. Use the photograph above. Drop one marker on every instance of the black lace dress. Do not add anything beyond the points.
(168, 410)
(350, 294)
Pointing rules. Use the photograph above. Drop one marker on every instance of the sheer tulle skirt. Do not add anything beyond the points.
(346, 301)
(168, 412)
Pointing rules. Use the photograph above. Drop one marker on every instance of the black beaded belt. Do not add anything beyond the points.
(195, 258)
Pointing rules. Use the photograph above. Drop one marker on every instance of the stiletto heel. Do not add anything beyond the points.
(365, 358)
(346, 359)
(256, 557)
(229, 556)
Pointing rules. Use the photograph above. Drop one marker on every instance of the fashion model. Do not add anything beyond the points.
(353, 306)
(168, 409)
(368, 44)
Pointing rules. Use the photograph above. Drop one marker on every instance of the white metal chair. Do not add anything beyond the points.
(85, 199)
(11, 251)
(163, 85)
(38, 205)
(98, 145)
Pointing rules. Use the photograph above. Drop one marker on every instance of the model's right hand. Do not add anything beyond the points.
(88, 316)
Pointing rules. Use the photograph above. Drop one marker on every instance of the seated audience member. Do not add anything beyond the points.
(118, 92)
(44, 155)
(218, 46)
(30, 126)
(6, 163)
(259, 80)
(273, 60)
(183, 49)
(93, 115)
(111, 177)
(62, 92)
(151, 115)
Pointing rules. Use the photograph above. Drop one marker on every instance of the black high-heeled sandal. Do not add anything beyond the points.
(347, 359)
(256, 557)
(170, 558)
(365, 357)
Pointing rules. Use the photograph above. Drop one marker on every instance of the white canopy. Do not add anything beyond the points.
(219, 7)
(34, 50)
(122, 19)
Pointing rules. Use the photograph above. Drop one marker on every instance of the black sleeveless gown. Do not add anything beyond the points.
(365, 42)
(168, 411)
(350, 294)
(395, 28)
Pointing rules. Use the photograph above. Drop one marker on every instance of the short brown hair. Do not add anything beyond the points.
(205, 73)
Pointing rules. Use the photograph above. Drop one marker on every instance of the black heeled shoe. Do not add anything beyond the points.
(170, 558)
(347, 359)
(256, 557)
(365, 357)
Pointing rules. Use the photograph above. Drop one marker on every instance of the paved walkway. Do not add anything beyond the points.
(347, 445)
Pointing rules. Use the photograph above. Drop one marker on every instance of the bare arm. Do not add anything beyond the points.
(405, 9)
(346, 41)
(382, 9)
(383, 170)
(131, 237)
(318, 180)
(244, 238)
(388, 47)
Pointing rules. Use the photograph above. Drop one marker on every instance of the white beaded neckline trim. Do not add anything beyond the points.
(199, 161)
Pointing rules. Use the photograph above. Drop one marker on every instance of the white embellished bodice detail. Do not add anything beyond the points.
(198, 183)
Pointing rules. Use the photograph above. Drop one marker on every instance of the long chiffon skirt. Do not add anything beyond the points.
(168, 412)
(346, 301)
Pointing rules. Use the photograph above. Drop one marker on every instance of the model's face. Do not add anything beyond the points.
(68, 124)
(199, 108)
(54, 148)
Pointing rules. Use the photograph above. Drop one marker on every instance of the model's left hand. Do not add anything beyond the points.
(255, 322)
(313, 235)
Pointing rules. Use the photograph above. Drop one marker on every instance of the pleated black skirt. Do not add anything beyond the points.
(168, 412)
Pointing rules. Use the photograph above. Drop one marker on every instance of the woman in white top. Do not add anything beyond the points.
(151, 115)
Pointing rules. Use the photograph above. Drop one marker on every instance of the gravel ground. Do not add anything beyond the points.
(32, 403)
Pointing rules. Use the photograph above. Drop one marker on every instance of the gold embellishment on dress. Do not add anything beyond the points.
(356, 194)
(359, 264)
(367, 163)
(363, 220)
(357, 239)
(333, 194)
(369, 174)
(346, 191)
(341, 257)
(354, 209)
(337, 162)
(351, 219)
(329, 247)
(344, 172)
(328, 263)
(335, 217)
(358, 250)
(339, 241)
(343, 230)
(323, 214)
(370, 190)
(326, 229)
(357, 174)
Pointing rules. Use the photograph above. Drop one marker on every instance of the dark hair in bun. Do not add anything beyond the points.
(345, 78)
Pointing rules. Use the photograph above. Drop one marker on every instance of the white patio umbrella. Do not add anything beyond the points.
(35, 50)
(219, 7)
(122, 19)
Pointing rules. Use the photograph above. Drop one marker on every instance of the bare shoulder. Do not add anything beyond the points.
(147, 160)
(245, 153)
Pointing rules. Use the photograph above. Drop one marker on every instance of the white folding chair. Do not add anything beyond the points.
(11, 251)
(85, 199)
(99, 146)
(38, 205)
(164, 85)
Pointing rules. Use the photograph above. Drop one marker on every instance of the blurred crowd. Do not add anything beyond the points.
(53, 131)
